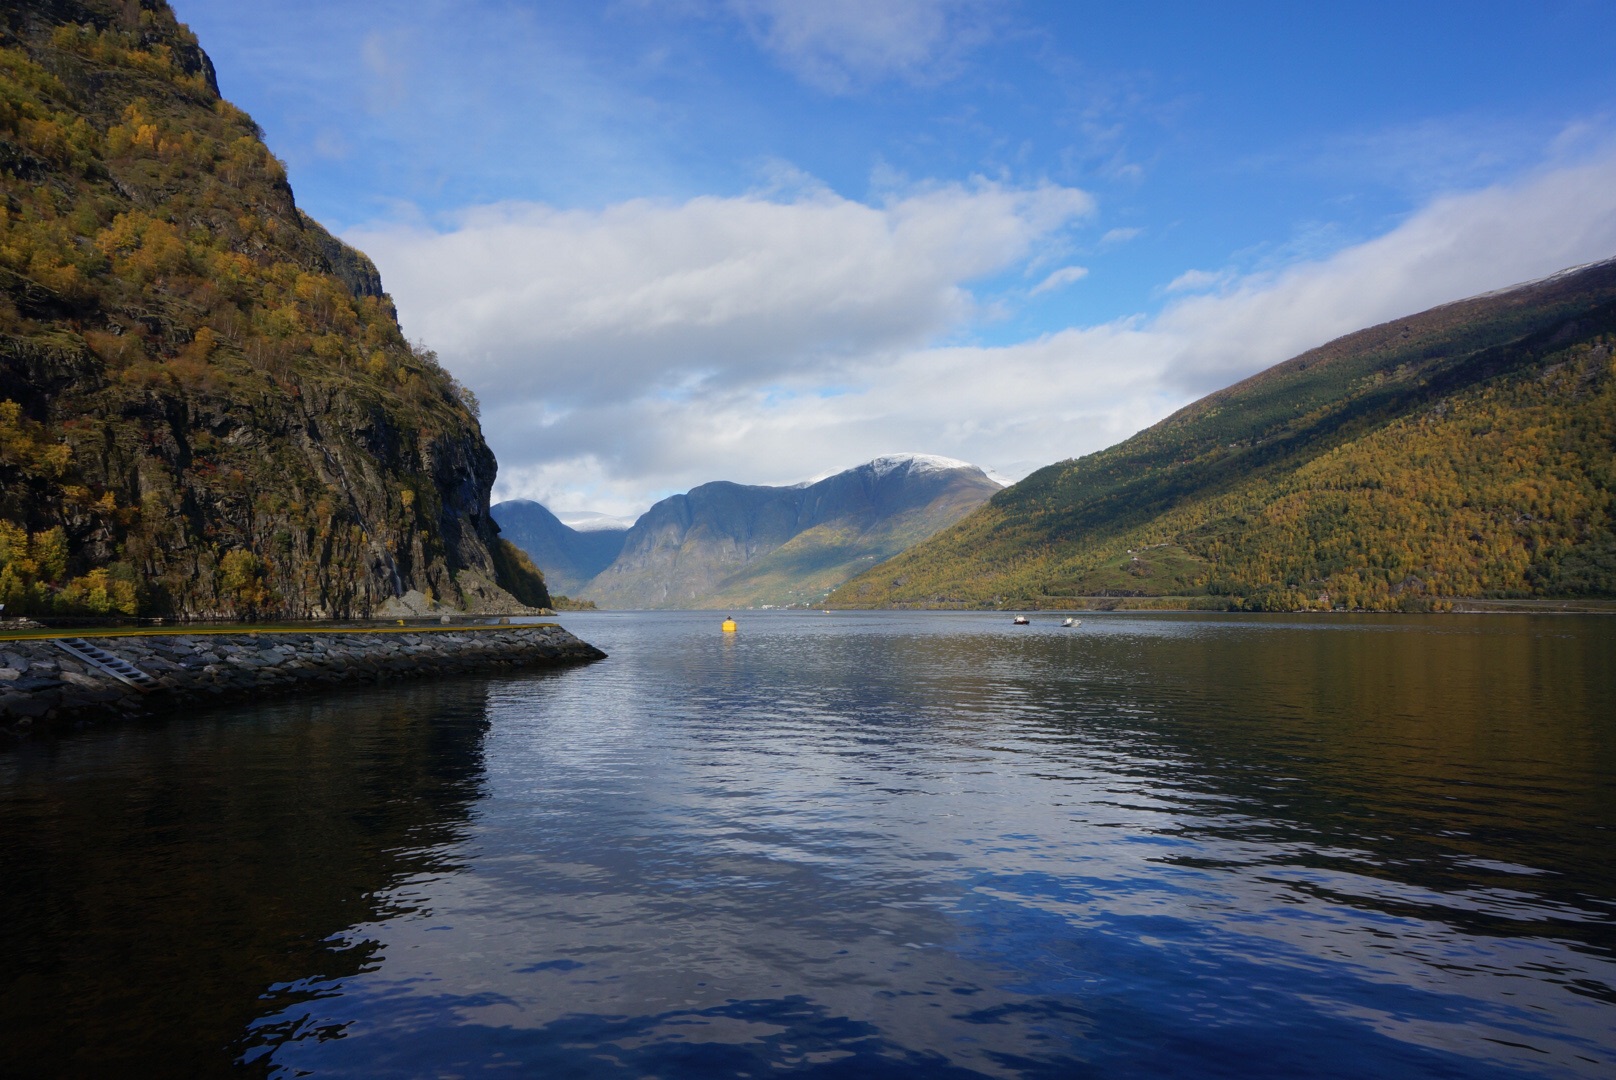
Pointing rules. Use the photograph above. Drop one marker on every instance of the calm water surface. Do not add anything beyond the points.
(849, 845)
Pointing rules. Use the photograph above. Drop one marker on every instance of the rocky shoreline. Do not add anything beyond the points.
(59, 679)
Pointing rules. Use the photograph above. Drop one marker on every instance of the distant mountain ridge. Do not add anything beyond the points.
(568, 555)
(1466, 451)
(736, 545)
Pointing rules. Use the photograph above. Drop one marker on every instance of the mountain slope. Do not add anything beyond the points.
(1465, 451)
(568, 557)
(732, 545)
(206, 404)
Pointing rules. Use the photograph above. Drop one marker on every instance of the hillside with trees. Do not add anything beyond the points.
(569, 557)
(207, 407)
(1469, 451)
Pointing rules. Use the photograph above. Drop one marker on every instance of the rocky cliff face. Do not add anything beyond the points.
(733, 545)
(207, 407)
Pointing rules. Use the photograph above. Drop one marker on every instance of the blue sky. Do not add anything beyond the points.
(670, 241)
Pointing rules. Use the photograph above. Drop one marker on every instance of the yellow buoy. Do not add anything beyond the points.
(729, 626)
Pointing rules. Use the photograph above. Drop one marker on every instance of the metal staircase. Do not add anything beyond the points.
(101, 660)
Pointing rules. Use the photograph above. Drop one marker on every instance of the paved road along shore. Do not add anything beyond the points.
(50, 679)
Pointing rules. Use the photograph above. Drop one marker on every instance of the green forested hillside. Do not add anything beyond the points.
(1469, 451)
(207, 406)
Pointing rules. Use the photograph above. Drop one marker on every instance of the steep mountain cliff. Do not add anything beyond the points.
(732, 545)
(206, 404)
(569, 557)
(1468, 451)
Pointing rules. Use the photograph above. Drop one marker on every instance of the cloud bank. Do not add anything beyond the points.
(641, 349)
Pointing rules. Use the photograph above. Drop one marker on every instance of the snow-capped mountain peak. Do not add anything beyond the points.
(915, 463)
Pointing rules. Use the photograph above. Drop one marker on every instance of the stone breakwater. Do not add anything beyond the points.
(51, 680)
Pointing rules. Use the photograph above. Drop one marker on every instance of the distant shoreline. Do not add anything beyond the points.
(1215, 605)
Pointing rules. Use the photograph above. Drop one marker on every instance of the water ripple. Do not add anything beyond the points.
(900, 845)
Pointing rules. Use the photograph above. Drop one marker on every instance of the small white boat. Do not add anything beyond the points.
(1071, 622)
(1021, 620)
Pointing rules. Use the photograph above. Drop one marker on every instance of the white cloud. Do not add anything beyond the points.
(626, 354)
(589, 307)
(1119, 236)
(1061, 278)
(1196, 280)
(994, 406)
(841, 45)
(1457, 246)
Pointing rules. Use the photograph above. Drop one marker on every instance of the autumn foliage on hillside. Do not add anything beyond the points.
(1467, 452)
(206, 403)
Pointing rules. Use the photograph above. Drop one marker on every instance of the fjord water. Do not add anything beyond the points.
(883, 845)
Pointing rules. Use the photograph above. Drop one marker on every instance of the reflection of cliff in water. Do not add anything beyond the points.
(1437, 754)
(166, 885)
(1449, 753)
